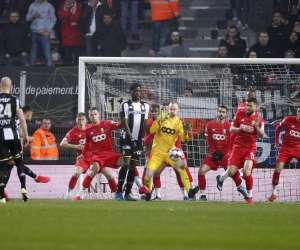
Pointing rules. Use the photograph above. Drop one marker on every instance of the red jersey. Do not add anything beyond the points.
(99, 137)
(291, 137)
(244, 139)
(218, 136)
(77, 136)
(148, 126)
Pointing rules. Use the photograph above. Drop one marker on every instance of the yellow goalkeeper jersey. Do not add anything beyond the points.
(166, 134)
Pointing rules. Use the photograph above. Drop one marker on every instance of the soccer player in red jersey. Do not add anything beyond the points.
(290, 147)
(99, 143)
(77, 136)
(217, 134)
(247, 125)
(242, 107)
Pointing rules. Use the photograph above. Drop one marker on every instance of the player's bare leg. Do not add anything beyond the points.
(73, 181)
(235, 175)
(148, 183)
(88, 179)
(221, 178)
(111, 180)
(202, 181)
(275, 180)
(122, 175)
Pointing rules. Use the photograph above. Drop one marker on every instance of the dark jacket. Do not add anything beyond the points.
(267, 51)
(15, 39)
(277, 35)
(258, 14)
(111, 38)
(237, 50)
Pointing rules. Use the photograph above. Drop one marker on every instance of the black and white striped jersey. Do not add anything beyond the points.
(135, 113)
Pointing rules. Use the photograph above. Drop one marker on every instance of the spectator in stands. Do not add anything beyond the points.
(133, 6)
(263, 49)
(89, 18)
(188, 92)
(161, 12)
(239, 13)
(44, 145)
(110, 37)
(236, 45)
(15, 41)
(20, 5)
(294, 8)
(252, 54)
(41, 14)
(2, 4)
(293, 43)
(146, 96)
(176, 49)
(222, 53)
(257, 16)
(71, 30)
(297, 27)
(277, 32)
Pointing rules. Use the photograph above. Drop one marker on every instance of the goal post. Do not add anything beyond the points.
(214, 81)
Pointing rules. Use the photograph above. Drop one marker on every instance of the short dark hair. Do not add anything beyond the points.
(252, 100)
(165, 104)
(93, 108)
(14, 12)
(189, 89)
(27, 109)
(223, 107)
(135, 85)
(109, 13)
(81, 114)
(155, 106)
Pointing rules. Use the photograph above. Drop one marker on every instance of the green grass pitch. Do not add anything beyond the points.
(43, 224)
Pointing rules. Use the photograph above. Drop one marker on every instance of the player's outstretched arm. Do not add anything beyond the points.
(274, 123)
(65, 144)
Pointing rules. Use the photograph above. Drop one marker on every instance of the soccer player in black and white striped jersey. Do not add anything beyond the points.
(134, 115)
(10, 143)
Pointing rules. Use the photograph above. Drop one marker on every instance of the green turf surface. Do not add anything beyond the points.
(98, 224)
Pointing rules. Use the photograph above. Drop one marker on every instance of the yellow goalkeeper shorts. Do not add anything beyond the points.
(156, 159)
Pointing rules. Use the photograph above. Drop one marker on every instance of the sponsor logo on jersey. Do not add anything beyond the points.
(218, 137)
(98, 138)
(168, 131)
(4, 99)
(82, 141)
(295, 133)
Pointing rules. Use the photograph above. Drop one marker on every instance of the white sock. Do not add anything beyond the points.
(157, 191)
(249, 193)
(275, 190)
(69, 191)
(80, 193)
(192, 184)
(224, 176)
(202, 192)
(241, 174)
(137, 181)
(184, 192)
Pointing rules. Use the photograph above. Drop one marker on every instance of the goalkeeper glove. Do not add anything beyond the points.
(164, 114)
(217, 155)
(186, 126)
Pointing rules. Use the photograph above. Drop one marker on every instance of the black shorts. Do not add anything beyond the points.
(127, 151)
(11, 147)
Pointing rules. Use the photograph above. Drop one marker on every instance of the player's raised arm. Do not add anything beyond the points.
(259, 126)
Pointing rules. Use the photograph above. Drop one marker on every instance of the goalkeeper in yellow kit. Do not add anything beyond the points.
(167, 128)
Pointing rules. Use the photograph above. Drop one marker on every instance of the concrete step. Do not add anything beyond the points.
(189, 42)
(196, 3)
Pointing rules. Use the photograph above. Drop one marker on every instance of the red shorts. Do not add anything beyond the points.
(108, 160)
(286, 154)
(215, 165)
(85, 164)
(239, 156)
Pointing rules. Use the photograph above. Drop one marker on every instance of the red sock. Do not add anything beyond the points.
(143, 178)
(179, 180)
(156, 181)
(201, 181)
(113, 185)
(136, 172)
(237, 178)
(72, 182)
(87, 181)
(189, 174)
(249, 182)
(275, 179)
